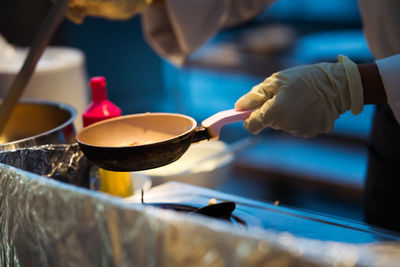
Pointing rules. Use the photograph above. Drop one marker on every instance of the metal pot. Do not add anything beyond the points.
(38, 122)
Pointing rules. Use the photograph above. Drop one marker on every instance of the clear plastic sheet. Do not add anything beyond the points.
(49, 223)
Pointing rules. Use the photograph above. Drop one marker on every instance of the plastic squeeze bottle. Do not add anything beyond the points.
(114, 183)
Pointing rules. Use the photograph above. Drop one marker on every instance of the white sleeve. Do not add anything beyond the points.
(179, 27)
(389, 69)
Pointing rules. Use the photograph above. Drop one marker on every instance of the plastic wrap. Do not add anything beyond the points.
(65, 163)
(49, 223)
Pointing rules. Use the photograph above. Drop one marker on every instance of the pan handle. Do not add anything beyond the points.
(200, 134)
(214, 123)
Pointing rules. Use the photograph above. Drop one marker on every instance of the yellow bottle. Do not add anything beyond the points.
(116, 183)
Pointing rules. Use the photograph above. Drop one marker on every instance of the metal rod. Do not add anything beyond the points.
(49, 26)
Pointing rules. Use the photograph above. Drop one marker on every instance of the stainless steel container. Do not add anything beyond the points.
(38, 122)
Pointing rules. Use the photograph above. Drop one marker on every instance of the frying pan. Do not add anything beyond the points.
(148, 140)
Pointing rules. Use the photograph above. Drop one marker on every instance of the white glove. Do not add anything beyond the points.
(306, 100)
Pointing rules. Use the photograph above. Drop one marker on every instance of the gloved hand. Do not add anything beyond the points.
(306, 100)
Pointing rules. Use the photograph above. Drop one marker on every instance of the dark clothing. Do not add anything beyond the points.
(382, 190)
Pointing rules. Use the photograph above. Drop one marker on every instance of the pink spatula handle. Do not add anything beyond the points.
(214, 123)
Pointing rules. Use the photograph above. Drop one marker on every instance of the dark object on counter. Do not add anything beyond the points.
(382, 189)
(219, 210)
(222, 210)
(149, 140)
(65, 163)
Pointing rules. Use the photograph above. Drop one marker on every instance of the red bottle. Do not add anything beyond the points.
(100, 108)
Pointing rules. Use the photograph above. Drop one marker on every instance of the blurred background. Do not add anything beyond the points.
(323, 174)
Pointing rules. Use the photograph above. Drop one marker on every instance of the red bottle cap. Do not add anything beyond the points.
(99, 88)
(100, 108)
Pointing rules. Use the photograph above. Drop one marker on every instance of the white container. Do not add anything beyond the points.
(60, 76)
(193, 168)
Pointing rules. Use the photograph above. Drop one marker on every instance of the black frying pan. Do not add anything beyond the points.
(148, 140)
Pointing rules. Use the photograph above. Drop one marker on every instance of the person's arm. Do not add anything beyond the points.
(305, 100)
(374, 92)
